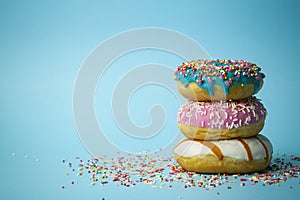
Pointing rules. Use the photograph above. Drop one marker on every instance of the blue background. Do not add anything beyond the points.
(43, 44)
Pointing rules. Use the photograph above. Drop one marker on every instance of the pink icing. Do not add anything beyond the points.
(222, 114)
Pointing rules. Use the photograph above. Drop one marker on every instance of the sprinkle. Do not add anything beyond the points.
(226, 72)
(161, 172)
(240, 122)
(222, 113)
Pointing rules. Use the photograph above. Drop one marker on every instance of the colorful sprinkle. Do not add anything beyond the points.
(206, 73)
(160, 172)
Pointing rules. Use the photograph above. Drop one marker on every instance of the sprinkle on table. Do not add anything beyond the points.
(161, 172)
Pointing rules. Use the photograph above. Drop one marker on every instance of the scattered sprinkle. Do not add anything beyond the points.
(160, 172)
(243, 179)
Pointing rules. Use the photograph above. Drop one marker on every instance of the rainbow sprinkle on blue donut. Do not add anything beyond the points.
(207, 73)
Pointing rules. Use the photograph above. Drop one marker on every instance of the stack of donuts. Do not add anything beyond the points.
(221, 119)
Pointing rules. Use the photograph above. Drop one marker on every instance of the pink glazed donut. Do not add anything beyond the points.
(219, 120)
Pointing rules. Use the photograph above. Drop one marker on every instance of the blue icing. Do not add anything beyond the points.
(207, 76)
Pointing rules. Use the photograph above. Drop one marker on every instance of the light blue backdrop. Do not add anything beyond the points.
(43, 44)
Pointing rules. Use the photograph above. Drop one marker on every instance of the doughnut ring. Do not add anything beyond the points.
(218, 120)
(224, 156)
(206, 80)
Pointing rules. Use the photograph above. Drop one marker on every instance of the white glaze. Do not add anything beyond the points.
(230, 148)
(190, 148)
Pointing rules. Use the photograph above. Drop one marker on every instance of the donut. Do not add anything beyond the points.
(217, 120)
(224, 156)
(205, 80)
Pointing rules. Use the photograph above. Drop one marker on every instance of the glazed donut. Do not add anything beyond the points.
(217, 120)
(224, 156)
(205, 80)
